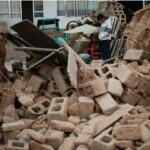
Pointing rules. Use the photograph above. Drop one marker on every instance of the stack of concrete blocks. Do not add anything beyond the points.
(92, 117)
(117, 10)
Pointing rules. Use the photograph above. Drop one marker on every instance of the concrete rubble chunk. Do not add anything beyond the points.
(36, 136)
(20, 84)
(86, 106)
(72, 99)
(68, 144)
(13, 126)
(89, 129)
(10, 135)
(145, 146)
(26, 100)
(40, 123)
(17, 145)
(38, 146)
(115, 87)
(86, 75)
(62, 126)
(36, 83)
(10, 111)
(83, 139)
(145, 131)
(144, 85)
(107, 104)
(133, 65)
(143, 69)
(96, 120)
(61, 78)
(124, 144)
(127, 132)
(131, 97)
(127, 76)
(54, 138)
(143, 117)
(74, 119)
(92, 88)
(73, 110)
(82, 147)
(134, 54)
(7, 96)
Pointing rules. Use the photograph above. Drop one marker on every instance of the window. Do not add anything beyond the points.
(15, 9)
(61, 8)
(10, 9)
(70, 8)
(91, 6)
(4, 9)
(38, 8)
(75, 7)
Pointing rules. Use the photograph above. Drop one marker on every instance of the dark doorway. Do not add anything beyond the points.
(27, 10)
(130, 7)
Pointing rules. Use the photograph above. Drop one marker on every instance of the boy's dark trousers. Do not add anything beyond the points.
(105, 48)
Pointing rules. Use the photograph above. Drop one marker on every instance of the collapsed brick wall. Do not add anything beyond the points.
(138, 30)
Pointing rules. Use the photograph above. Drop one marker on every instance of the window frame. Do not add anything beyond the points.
(10, 12)
(34, 11)
(75, 9)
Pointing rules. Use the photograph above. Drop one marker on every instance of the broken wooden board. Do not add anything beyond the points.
(33, 35)
(109, 120)
(78, 59)
(72, 68)
(85, 29)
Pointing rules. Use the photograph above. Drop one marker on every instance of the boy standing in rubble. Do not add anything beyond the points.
(2, 51)
(105, 35)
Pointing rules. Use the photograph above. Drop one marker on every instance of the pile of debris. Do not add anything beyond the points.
(138, 31)
(62, 103)
(76, 106)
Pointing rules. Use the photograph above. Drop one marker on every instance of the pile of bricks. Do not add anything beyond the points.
(137, 31)
(107, 111)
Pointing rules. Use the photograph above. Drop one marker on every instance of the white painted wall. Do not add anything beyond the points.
(50, 11)
(11, 22)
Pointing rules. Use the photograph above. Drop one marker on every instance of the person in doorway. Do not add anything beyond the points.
(105, 35)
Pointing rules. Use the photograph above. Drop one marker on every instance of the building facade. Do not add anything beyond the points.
(13, 11)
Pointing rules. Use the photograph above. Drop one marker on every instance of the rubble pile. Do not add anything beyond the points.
(138, 32)
(61, 103)
(109, 109)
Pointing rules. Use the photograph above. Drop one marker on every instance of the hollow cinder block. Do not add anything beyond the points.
(34, 111)
(105, 142)
(58, 109)
(17, 145)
